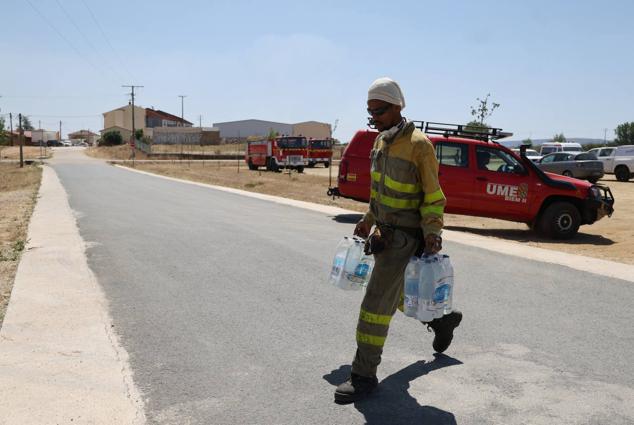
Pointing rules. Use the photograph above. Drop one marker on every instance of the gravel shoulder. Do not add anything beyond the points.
(18, 193)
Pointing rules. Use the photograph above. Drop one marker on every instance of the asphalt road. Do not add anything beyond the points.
(223, 306)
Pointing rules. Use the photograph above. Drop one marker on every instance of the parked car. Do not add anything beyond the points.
(583, 165)
(483, 178)
(547, 148)
(531, 154)
(617, 160)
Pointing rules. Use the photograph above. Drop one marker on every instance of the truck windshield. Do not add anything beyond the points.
(292, 142)
(320, 144)
(549, 149)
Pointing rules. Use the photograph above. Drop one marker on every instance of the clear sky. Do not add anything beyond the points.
(554, 66)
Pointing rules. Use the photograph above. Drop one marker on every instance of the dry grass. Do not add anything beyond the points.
(229, 149)
(305, 187)
(120, 152)
(18, 191)
(29, 152)
(610, 238)
(123, 151)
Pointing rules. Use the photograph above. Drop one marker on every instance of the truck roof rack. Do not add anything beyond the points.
(461, 130)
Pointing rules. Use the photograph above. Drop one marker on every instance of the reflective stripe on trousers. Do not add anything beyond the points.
(381, 299)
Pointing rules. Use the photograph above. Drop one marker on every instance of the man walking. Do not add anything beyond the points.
(406, 205)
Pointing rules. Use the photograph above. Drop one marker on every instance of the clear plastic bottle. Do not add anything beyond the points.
(412, 278)
(426, 287)
(443, 293)
(363, 271)
(338, 263)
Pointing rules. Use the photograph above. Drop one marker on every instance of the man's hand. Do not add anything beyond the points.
(362, 229)
(433, 244)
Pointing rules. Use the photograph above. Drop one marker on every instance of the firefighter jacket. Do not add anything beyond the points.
(405, 191)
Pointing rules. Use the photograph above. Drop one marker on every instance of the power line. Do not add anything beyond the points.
(72, 21)
(105, 37)
(65, 39)
(95, 96)
(63, 116)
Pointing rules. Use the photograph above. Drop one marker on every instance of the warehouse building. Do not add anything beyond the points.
(232, 130)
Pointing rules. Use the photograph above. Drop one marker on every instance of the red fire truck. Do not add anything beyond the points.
(282, 152)
(319, 151)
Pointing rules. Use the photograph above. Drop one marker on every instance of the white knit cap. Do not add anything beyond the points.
(387, 90)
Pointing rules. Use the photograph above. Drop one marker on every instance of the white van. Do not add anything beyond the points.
(547, 148)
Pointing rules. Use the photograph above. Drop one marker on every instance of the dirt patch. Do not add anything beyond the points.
(18, 191)
(610, 238)
(121, 152)
(28, 152)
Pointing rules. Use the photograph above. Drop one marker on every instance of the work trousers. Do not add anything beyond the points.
(382, 297)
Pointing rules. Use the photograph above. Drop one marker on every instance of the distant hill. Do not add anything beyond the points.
(537, 142)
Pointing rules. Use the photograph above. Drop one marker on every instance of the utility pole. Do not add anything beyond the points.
(182, 96)
(200, 121)
(39, 124)
(11, 126)
(133, 137)
(21, 142)
(605, 136)
(60, 131)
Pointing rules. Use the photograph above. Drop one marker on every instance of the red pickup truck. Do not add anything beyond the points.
(480, 177)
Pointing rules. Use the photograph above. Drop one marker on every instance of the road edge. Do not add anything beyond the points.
(598, 266)
(60, 359)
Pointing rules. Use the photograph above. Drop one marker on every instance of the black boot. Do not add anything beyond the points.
(443, 329)
(355, 388)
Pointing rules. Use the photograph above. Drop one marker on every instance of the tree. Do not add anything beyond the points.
(4, 135)
(111, 138)
(26, 123)
(138, 134)
(528, 142)
(625, 134)
(272, 134)
(559, 138)
(482, 111)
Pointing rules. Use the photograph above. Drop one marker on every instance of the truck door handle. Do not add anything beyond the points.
(483, 179)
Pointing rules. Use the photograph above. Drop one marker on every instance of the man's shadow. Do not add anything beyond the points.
(391, 403)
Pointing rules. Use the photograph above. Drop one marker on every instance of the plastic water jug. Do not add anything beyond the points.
(339, 262)
(351, 268)
(412, 278)
(435, 288)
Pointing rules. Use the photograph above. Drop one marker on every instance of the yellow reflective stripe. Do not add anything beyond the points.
(433, 209)
(396, 203)
(434, 196)
(395, 185)
(376, 319)
(378, 341)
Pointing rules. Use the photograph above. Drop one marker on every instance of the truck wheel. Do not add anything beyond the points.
(300, 169)
(311, 164)
(272, 165)
(622, 173)
(567, 173)
(252, 166)
(561, 220)
(326, 164)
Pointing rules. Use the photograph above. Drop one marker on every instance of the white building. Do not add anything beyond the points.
(44, 136)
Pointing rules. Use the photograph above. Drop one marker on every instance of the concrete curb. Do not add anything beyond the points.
(579, 262)
(60, 360)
